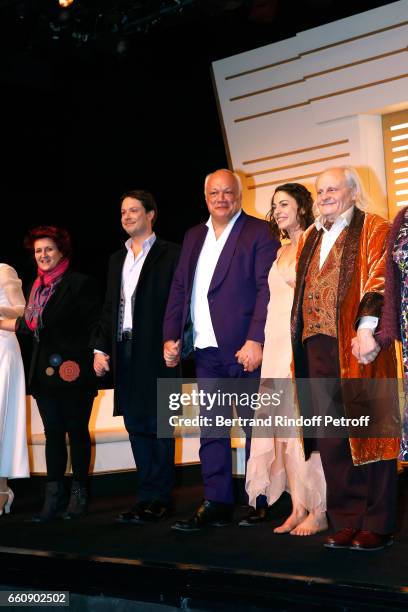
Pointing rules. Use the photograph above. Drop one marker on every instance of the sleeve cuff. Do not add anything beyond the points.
(368, 322)
(370, 306)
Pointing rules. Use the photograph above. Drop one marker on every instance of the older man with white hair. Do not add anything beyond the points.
(221, 286)
(337, 305)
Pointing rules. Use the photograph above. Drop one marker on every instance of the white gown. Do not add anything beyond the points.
(275, 462)
(13, 434)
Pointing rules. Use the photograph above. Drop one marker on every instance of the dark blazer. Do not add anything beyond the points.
(238, 295)
(149, 305)
(68, 319)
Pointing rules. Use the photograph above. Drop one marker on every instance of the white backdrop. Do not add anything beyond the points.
(292, 108)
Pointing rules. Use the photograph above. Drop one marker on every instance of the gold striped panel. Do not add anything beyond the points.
(287, 179)
(303, 163)
(358, 87)
(323, 97)
(334, 143)
(358, 37)
(373, 58)
(312, 75)
(317, 49)
(271, 112)
(266, 90)
(266, 67)
(395, 136)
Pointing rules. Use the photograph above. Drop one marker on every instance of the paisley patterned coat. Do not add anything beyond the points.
(360, 293)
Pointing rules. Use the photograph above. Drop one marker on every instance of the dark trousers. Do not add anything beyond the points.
(363, 496)
(60, 416)
(215, 452)
(154, 457)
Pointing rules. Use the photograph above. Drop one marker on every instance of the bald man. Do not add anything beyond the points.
(221, 284)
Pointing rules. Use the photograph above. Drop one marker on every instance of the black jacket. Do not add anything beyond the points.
(150, 301)
(69, 319)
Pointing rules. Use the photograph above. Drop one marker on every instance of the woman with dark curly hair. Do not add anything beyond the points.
(277, 465)
(61, 312)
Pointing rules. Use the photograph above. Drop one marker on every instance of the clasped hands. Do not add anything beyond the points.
(364, 346)
(249, 355)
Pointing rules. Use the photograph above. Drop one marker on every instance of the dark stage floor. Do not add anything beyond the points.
(248, 563)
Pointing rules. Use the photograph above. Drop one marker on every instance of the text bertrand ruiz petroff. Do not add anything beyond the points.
(255, 401)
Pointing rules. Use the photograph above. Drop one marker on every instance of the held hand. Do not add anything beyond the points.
(250, 355)
(171, 353)
(101, 364)
(364, 346)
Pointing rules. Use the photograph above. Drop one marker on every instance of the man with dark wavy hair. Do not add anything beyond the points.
(129, 342)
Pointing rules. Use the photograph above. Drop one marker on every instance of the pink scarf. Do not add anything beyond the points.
(41, 291)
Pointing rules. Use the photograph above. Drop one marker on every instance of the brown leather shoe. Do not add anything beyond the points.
(342, 538)
(368, 540)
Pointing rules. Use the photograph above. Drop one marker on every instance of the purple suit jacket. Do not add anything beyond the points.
(238, 295)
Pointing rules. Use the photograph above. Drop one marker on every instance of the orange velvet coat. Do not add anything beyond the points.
(360, 293)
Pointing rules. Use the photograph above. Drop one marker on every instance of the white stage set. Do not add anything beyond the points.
(290, 110)
(296, 107)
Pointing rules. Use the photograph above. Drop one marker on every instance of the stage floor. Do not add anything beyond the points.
(253, 560)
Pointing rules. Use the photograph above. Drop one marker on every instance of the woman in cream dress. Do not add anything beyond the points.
(278, 465)
(13, 437)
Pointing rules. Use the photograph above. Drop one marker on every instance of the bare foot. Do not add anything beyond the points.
(297, 517)
(311, 525)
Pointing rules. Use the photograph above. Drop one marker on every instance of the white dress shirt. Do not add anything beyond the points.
(203, 330)
(330, 236)
(131, 270)
(328, 239)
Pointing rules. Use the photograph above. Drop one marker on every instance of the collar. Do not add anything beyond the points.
(146, 244)
(342, 220)
(230, 222)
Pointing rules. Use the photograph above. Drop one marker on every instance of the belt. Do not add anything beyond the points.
(126, 335)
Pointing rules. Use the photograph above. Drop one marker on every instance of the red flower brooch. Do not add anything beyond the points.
(69, 371)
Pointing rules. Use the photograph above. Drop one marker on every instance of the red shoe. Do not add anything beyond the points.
(368, 540)
(342, 538)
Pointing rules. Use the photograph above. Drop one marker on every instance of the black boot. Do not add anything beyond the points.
(54, 502)
(78, 502)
